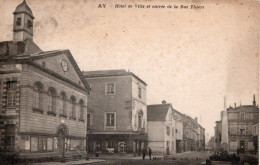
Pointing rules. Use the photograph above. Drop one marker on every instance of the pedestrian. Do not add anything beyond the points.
(150, 153)
(144, 152)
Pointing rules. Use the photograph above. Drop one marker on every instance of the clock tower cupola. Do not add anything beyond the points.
(23, 22)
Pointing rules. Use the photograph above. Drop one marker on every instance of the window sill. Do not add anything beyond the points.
(81, 120)
(63, 115)
(109, 128)
(37, 110)
(51, 113)
(73, 118)
(10, 107)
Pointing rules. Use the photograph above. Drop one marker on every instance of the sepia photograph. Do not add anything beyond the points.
(129, 82)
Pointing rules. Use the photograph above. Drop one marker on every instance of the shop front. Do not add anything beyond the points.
(116, 143)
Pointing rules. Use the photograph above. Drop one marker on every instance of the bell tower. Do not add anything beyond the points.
(23, 22)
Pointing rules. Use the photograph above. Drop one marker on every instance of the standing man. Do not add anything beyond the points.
(144, 152)
(150, 153)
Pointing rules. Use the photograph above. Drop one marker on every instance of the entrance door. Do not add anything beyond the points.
(61, 133)
(178, 146)
(61, 144)
(121, 147)
(168, 148)
(242, 145)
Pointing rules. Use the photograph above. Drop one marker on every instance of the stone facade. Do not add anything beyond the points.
(241, 123)
(193, 135)
(119, 115)
(43, 99)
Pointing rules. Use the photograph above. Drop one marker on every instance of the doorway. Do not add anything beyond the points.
(242, 146)
(61, 135)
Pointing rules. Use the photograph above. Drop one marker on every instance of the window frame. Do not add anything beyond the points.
(73, 108)
(81, 110)
(18, 21)
(29, 24)
(139, 92)
(106, 88)
(168, 131)
(88, 120)
(52, 101)
(37, 96)
(11, 94)
(105, 121)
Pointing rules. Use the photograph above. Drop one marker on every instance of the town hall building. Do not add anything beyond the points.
(43, 96)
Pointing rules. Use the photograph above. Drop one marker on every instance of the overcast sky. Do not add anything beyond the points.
(190, 58)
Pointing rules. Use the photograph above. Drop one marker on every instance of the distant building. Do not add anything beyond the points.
(242, 125)
(202, 143)
(217, 137)
(178, 134)
(210, 144)
(118, 112)
(161, 128)
(43, 97)
(193, 134)
(165, 128)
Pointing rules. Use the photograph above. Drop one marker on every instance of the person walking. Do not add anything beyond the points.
(150, 153)
(144, 153)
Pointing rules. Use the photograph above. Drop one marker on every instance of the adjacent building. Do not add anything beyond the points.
(161, 128)
(178, 130)
(170, 131)
(242, 123)
(193, 134)
(43, 96)
(118, 112)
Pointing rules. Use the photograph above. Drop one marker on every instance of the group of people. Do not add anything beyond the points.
(149, 152)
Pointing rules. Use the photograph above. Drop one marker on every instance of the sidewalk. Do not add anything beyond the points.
(114, 156)
(77, 162)
(183, 155)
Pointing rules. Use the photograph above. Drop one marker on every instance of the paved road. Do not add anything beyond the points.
(187, 158)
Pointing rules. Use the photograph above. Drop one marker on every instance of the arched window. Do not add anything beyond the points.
(37, 95)
(64, 103)
(81, 103)
(52, 101)
(73, 107)
(11, 87)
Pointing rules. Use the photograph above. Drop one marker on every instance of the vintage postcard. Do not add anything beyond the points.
(129, 81)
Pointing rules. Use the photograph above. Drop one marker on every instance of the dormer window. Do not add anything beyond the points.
(18, 21)
(29, 24)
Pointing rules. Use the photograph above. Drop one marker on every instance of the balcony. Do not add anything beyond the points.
(140, 130)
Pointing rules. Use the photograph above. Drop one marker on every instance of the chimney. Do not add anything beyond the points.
(196, 119)
(235, 105)
(254, 102)
(163, 102)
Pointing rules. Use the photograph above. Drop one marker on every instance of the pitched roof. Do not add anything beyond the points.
(23, 8)
(109, 73)
(12, 48)
(157, 112)
(104, 73)
(27, 52)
